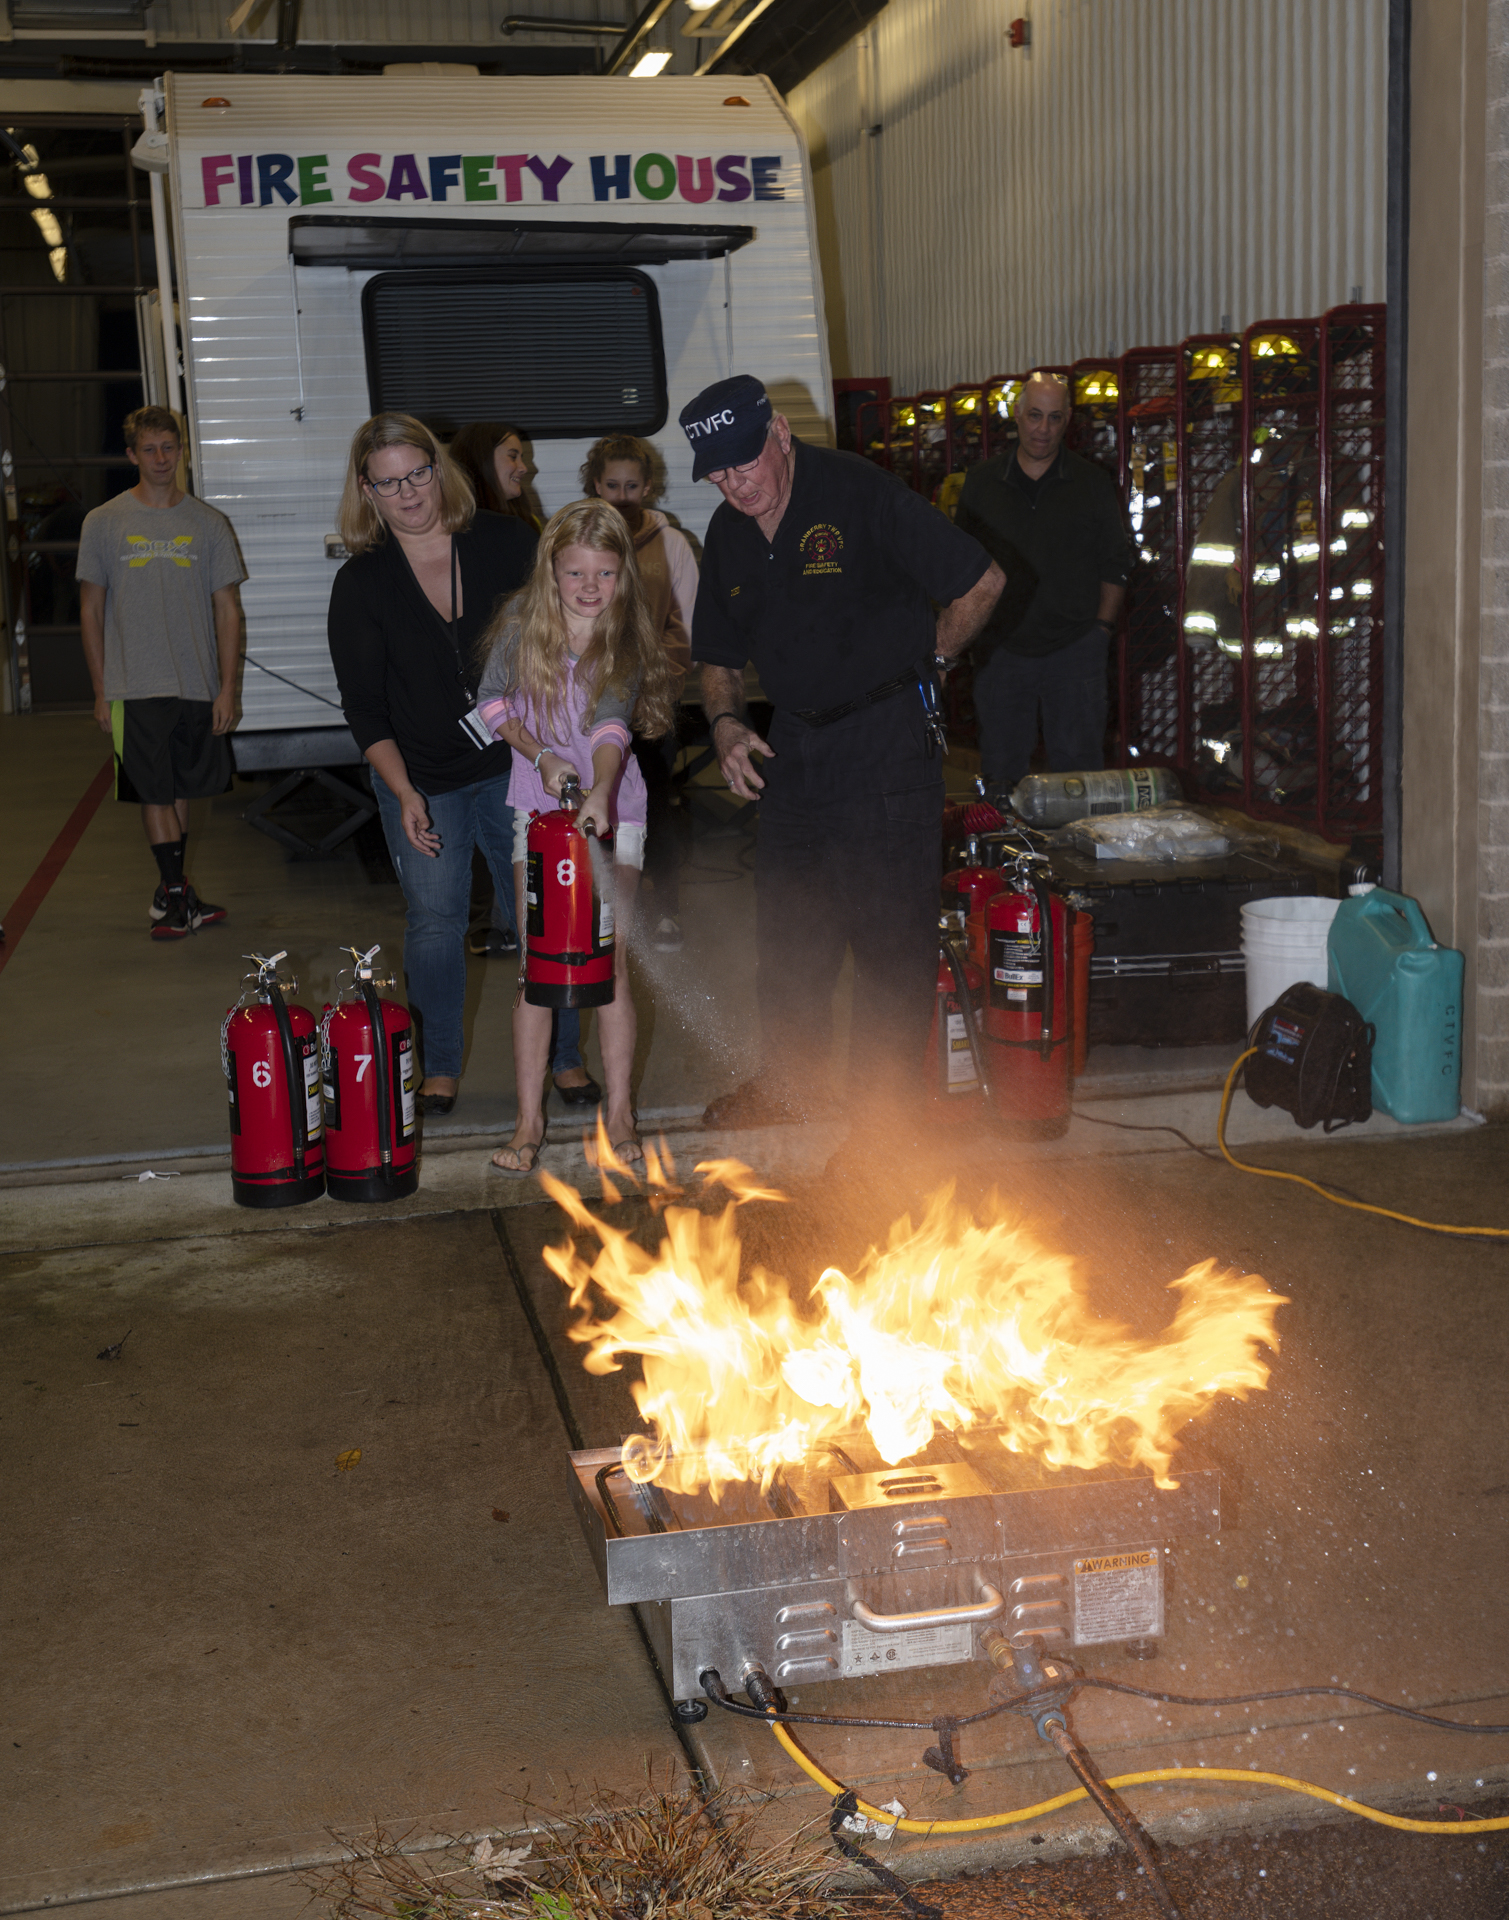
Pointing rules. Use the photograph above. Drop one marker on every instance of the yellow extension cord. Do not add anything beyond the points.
(809, 1766)
(1358, 1206)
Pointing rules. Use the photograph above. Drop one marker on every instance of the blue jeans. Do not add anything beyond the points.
(438, 896)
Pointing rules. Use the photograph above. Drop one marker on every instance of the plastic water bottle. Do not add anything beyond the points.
(1054, 799)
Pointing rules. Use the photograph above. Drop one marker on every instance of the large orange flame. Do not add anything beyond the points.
(953, 1323)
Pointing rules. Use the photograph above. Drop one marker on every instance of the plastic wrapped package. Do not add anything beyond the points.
(1167, 836)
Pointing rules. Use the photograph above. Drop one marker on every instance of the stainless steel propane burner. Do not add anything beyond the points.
(849, 1566)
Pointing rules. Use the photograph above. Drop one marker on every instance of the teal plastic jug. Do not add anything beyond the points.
(1381, 956)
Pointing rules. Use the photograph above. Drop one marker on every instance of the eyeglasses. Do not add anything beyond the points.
(725, 474)
(416, 478)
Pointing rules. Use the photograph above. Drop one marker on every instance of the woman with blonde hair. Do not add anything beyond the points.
(407, 611)
(575, 661)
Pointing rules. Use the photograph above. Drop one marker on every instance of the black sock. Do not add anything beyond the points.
(169, 857)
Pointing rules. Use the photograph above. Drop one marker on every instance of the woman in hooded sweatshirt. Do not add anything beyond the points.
(628, 473)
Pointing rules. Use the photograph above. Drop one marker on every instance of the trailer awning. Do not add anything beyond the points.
(357, 240)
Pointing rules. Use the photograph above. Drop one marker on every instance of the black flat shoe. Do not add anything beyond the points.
(436, 1102)
(589, 1094)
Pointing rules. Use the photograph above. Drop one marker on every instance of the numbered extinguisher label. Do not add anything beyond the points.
(314, 1113)
(1016, 969)
(403, 1080)
(565, 873)
(262, 1073)
(332, 1058)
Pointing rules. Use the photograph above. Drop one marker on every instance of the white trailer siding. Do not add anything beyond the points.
(276, 472)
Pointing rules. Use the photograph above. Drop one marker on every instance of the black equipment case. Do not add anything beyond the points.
(1168, 970)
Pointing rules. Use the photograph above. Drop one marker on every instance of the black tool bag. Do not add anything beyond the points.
(1314, 1058)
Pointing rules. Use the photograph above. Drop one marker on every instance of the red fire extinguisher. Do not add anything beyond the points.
(367, 1050)
(1029, 1002)
(967, 889)
(270, 1055)
(956, 1066)
(568, 898)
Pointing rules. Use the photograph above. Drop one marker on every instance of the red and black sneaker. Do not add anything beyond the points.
(170, 915)
(201, 913)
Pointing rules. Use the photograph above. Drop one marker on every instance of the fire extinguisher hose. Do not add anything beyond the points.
(1239, 1775)
(1050, 961)
(293, 1073)
(384, 1075)
(1336, 1199)
(966, 1009)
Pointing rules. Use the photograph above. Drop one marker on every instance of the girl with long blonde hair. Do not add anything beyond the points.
(574, 664)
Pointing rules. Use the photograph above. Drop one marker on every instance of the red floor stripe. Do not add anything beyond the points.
(24, 907)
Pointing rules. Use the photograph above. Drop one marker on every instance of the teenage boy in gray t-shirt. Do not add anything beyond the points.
(158, 572)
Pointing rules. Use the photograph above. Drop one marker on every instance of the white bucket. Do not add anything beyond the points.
(1283, 940)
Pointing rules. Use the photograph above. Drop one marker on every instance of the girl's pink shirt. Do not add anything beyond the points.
(526, 789)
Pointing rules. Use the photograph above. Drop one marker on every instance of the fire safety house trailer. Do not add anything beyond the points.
(578, 255)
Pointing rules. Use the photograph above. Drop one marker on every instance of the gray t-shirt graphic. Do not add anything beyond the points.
(159, 567)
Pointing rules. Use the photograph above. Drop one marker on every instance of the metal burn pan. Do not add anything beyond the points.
(835, 1574)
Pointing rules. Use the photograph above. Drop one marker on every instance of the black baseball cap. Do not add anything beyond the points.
(726, 424)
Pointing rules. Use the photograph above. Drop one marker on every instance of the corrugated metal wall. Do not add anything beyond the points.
(1142, 169)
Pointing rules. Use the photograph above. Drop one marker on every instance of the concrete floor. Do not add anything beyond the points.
(197, 1691)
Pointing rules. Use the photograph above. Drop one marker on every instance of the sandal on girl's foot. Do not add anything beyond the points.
(520, 1149)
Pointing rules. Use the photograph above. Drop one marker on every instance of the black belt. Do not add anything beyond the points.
(828, 715)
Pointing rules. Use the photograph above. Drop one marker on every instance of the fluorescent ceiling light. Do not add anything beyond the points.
(649, 64)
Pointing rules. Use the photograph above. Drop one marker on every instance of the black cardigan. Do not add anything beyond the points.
(393, 657)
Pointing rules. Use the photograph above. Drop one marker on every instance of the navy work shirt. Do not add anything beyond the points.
(840, 601)
(1057, 539)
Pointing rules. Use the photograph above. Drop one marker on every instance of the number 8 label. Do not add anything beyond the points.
(565, 873)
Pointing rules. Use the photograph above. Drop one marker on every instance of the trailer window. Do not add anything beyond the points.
(570, 354)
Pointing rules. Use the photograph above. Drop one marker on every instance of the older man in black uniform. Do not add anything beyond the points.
(823, 570)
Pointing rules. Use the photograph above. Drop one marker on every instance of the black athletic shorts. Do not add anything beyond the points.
(167, 750)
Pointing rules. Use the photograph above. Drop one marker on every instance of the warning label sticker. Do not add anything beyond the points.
(866, 1652)
(1118, 1596)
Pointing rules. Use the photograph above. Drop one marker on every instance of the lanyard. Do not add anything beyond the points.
(461, 673)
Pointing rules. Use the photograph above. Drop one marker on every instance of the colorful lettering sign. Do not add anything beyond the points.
(390, 180)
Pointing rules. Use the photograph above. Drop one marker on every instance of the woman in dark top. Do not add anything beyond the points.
(406, 613)
(491, 455)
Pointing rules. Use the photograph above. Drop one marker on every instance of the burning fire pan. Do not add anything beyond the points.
(848, 1566)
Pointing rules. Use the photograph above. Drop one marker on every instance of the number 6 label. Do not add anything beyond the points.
(261, 1074)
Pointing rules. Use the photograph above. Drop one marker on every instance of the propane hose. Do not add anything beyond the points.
(1336, 1199)
(1018, 1815)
